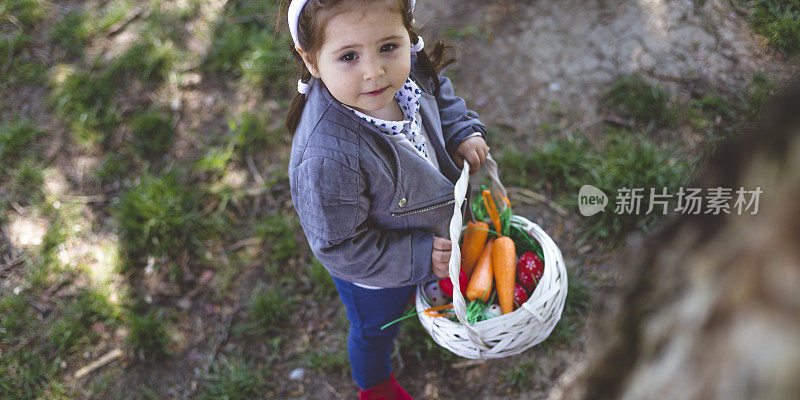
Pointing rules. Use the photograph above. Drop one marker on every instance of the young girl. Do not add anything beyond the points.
(379, 140)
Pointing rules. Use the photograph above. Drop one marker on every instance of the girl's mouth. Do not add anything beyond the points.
(377, 92)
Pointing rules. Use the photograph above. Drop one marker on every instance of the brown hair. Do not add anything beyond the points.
(310, 30)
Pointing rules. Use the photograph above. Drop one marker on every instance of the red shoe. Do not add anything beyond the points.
(389, 389)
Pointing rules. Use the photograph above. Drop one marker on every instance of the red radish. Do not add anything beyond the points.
(447, 286)
(529, 270)
(520, 295)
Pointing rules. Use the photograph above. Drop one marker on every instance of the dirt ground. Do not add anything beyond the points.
(529, 62)
(524, 63)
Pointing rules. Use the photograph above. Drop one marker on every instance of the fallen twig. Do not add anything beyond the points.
(613, 119)
(332, 389)
(530, 197)
(39, 307)
(467, 364)
(97, 198)
(22, 344)
(673, 78)
(125, 22)
(100, 362)
(48, 294)
(223, 337)
(7, 266)
(243, 243)
(251, 165)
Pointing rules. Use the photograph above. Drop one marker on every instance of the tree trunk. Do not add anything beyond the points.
(711, 305)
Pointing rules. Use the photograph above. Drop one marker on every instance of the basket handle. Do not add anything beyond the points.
(454, 266)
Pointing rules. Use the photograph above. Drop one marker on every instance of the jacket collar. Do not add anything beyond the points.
(319, 99)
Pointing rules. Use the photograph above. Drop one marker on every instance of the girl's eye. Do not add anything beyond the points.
(388, 47)
(349, 57)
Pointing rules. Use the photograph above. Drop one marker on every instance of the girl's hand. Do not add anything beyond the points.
(474, 150)
(440, 256)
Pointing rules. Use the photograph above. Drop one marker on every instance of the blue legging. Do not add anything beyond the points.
(369, 347)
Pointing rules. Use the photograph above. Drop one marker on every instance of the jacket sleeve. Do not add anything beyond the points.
(330, 199)
(458, 122)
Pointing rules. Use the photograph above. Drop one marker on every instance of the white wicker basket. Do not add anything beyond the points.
(507, 334)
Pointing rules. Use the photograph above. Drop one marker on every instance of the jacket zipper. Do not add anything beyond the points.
(403, 214)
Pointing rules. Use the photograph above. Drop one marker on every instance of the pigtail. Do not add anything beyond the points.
(299, 102)
(439, 59)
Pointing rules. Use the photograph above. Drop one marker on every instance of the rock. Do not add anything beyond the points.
(297, 374)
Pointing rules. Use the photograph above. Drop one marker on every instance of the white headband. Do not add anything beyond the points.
(296, 7)
(294, 15)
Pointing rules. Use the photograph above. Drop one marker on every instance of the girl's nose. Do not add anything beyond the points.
(373, 69)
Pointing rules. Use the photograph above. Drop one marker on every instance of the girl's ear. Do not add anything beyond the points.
(308, 62)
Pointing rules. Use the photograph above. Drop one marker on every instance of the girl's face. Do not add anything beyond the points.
(365, 59)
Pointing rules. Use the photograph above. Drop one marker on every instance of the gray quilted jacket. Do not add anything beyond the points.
(369, 207)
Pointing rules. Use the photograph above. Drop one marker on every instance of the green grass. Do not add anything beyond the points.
(24, 374)
(520, 375)
(148, 334)
(270, 308)
(27, 12)
(215, 160)
(72, 328)
(703, 113)
(234, 380)
(415, 345)
(73, 32)
(623, 160)
(15, 312)
(279, 233)
(647, 104)
(778, 21)
(78, 27)
(329, 360)
(253, 134)
(562, 163)
(17, 65)
(160, 216)
(632, 161)
(148, 60)
(46, 267)
(168, 20)
(116, 165)
(266, 59)
(11, 46)
(255, 53)
(34, 348)
(153, 132)
(759, 91)
(22, 183)
(246, 45)
(16, 140)
(85, 99)
(322, 286)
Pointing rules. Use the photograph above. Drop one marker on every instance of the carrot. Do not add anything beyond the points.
(488, 201)
(504, 265)
(474, 239)
(430, 312)
(480, 285)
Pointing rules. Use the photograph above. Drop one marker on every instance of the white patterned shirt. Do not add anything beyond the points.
(411, 125)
